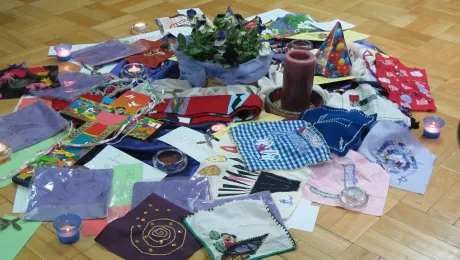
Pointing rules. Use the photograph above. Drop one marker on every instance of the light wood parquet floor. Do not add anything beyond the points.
(422, 33)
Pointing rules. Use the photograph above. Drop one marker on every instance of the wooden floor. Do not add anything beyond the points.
(421, 33)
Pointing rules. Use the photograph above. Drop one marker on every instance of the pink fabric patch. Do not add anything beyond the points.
(106, 118)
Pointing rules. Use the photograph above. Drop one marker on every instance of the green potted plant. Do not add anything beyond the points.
(229, 50)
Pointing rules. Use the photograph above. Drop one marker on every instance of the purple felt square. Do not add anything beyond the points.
(30, 125)
(104, 53)
(56, 191)
(73, 85)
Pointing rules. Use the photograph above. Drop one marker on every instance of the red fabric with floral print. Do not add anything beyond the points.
(153, 56)
(407, 87)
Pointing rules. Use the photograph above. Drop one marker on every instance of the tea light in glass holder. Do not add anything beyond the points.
(63, 52)
(134, 71)
(354, 197)
(5, 152)
(170, 160)
(300, 45)
(139, 28)
(67, 228)
(432, 126)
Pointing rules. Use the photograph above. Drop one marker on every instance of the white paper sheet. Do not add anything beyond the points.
(175, 31)
(184, 11)
(185, 139)
(22, 195)
(111, 156)
(328, 26)
(286, 202)
(304, 217)
(270, 15)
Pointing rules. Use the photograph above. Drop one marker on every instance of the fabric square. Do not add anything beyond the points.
(284, 145)
(30, 126)
(398, 152)
(327, 181)
(55, 191)
(17, 80)
(340, 128)
(156, 52)
(73, 85)
(252, 233)
(177, 191)
(104, 53)
(152, 230)
(407, 87)
(274, 183)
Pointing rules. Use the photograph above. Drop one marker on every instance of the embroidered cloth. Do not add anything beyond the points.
(154, 54)
(395, 149)
(55, 191)
(327, 181)
(209, 109)
(30, 125)
(152, 230)
(177, 191)
(283, 145)
(252, 233)
(407, 87)
(340, 128)
(366, 99)
(73, 85)
(17, 80)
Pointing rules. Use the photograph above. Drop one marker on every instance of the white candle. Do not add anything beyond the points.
(3, 148)
(134, 69)
(70, 231)
(432, 128)
(63, 53)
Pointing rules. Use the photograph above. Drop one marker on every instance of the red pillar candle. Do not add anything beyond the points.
(299, 71)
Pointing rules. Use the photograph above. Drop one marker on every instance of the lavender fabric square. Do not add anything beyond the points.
(104, 53)
(30, 125)
(177, 191)
(73, 85)
(56, 191)
(263, 196)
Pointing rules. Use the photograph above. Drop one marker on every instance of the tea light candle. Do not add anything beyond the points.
(5, 152)
(139, 27)
(432, 126)
(354, 197)
(67, 228)
(133, 70)
(218, 127)
(63, 52)
(170, 160)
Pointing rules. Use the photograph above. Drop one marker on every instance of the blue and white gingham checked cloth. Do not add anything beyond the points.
(292, 149)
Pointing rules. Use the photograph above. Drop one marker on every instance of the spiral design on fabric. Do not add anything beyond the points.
(158, 236)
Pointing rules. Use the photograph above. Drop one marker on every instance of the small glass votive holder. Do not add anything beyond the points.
(170, 160)
(432, 126)
(5, 152)
(134, 71)
(63, 52)
(354, 197)
(300, 45)
(67, 228)
(139, 28)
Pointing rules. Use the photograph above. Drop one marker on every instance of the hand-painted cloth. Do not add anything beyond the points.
(407, 87)
(152, 230)
(55, 191)
(274, 183)
(73, 85)
(364, 98)
(30, 126)
(18, 80)
(201, 110)
(283, 145)
(177, 191)
(263, 196)
(395, 149)
(288, 25)
(244, 229)
(156, 52)
(104, 53)
(340, 128)
(327, 181)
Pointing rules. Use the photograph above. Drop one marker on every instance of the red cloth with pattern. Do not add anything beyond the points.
(407, 87)
(153, 56)
(207, 109)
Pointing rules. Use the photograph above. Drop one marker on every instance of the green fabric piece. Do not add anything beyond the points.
(124, 177)
(20, 157)
(13, 241)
